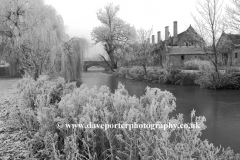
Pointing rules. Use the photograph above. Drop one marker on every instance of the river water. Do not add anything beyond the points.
(221, 108)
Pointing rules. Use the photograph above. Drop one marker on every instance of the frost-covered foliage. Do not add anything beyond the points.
(33, 38)
(214, 80)
(206, 77)
(197, 64)
(136, 72)
(233, 69)
(41, 112)
(32, 33)
(113, 40)
(158, 75)
(38, 96)
(121, 72)
(73, 59)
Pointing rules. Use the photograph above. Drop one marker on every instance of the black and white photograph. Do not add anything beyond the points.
(119, 79)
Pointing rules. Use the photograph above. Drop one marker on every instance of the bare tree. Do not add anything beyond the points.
(209, 25)
(233, 16)
(142, 50)
(114, 33)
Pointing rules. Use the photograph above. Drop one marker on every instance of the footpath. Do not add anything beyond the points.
(13, 142)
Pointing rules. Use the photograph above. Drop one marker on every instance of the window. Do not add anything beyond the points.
(182, 57)
(236, 55)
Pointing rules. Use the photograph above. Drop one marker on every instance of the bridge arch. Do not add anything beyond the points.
(88, 64)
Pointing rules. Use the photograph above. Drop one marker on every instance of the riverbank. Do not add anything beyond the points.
(204, 79)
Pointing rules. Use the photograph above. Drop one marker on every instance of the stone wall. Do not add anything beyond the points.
(236, 61)
(178, 59)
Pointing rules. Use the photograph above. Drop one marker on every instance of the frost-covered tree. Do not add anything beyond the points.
(142, 50)
(33, 37)
(73, 59)
(113, 34)
(33, 34)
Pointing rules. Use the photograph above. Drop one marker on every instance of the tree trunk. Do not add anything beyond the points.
(214, 49)
(160, 61)
(113, 63)
(36, 75)
(107, 62)
(145, 70)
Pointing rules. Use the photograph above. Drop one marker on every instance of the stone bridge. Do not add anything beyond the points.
(102, 64)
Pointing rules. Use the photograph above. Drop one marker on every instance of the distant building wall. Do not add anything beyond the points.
(235, 57)
(178, 59)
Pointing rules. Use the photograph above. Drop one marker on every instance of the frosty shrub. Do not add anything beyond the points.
(191, 65)
(213, 80)
(35, 97)
(153, 73)
(197, 64)
(158, 75)
(46, 104)
(233, 69)
(122, 72)
(136, 72)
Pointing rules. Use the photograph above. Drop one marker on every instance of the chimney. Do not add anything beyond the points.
(175, 33)
(175, 29)
(148, 40)
(153, 39)
(159, 36)
(166, 32)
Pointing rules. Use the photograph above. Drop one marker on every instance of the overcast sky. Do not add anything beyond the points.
(80, 15)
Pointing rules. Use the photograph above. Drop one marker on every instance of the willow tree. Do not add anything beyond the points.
(114, 33)
(35, 34)
(73, 59)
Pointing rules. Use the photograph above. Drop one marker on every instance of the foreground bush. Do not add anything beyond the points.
(44, 104)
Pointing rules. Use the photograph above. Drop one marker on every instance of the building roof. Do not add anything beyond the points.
(184, 50)
(235, 38)
(187, 34)
(227, 41)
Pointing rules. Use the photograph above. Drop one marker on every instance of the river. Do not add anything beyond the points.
(221, 108)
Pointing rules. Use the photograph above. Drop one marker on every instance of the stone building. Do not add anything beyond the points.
(181, 47)
(184, 46)
(229, 48)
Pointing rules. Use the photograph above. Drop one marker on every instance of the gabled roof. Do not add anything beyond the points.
(235, 38)
(227, 41)
(181, 35)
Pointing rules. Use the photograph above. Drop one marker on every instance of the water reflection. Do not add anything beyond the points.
(221, 108)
